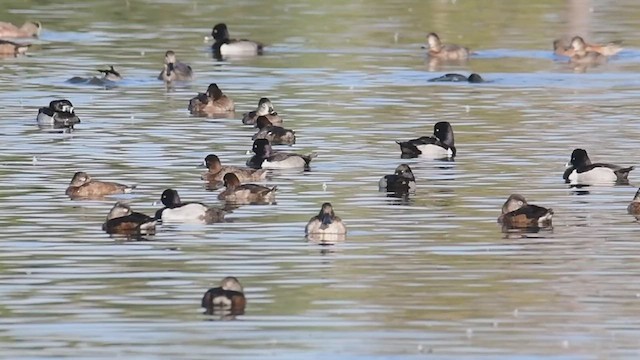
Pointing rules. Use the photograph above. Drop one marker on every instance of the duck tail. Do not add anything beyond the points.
(274, 189)
(21, 49)
(407, 148)
(129, 189)
(623, 174)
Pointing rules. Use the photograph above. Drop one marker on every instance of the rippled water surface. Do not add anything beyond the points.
(431, 276)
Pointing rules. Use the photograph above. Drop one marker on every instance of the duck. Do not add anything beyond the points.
(122, 220)
(27, 30)
(473, 78)
(217, 171)
(580, 171)
(177, 211)
(59, 113)
(211, 102)
(224, 46)
(266, 158)
(634, 205)
(326, 222)
(275, 134)
(401, 181)
(9, 48)
(445, 51)
(229, 296)
(265, 108)
(174, 70)
(108, 78)
(517, 213)
(246, 193)
(83, 186)
(582, 56)
(609, 49)
(438, 146)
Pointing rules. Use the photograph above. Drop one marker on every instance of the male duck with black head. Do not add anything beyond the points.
(224, 46)
(440, 145)
(517, 213)
(580, 171)
(266, 158)
(175, 211)
(217, 171)
(243, 194)
(211, 102)
(265, 108)
(174, 70)
(228, 297)
(473, 78)
(59, 114)
(123, 221)
(400, 182)
(83, 186)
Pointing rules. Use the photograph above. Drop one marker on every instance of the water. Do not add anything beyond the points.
(431, 277)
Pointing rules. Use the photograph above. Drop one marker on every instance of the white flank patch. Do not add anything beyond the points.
(288, 163)
(434, 151)
(598, 175)
(239, 48)
(191, 213)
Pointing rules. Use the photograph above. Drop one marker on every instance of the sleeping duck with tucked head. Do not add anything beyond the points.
(275, 134)
(122, 220)
(211, 102)
(517, 213)
(83, 186)
(228, 297)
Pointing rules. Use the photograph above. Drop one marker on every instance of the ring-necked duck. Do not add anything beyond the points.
(246, 193)
(580, 171)
(9, 48)
(83, 186)
(634, 205)
(473, 78)
(108, 79)
(609, 49)
(438, 146)
(225, 46)
(177, 211)
(582, 56)
(266, 158)
(265, 108)
(211, 102)
(174, 70)
(122, 220)
(229, 296)
(517, 213)
(401, 182)
(326, 222)
(217, 171)
(445, 51)
(275, 134)
(28, 29)
(59, 113)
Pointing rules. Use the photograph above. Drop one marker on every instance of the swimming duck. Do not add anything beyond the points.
(438, 146)
(265, 108)
(473, 78)
(174, 70)
(110, 74)
(401, 182)
(217, 171)
(177, 211)
(517, 213)
(108, 79)
(59, 113)
(9, 48)
(326, 222)
(246, 193)
(83, 186)
(582, 56)
(121, 220)
(609, 49)
(28, 29)
(634, 206)
(211, 102)
(229, 296)
(580, 171)
(266, 158)
(445, 51)
(275, 134)
(225, 46)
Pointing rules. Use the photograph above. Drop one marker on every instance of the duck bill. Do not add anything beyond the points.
(326, 219)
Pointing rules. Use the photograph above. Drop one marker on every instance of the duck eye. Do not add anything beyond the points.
(520, 203)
